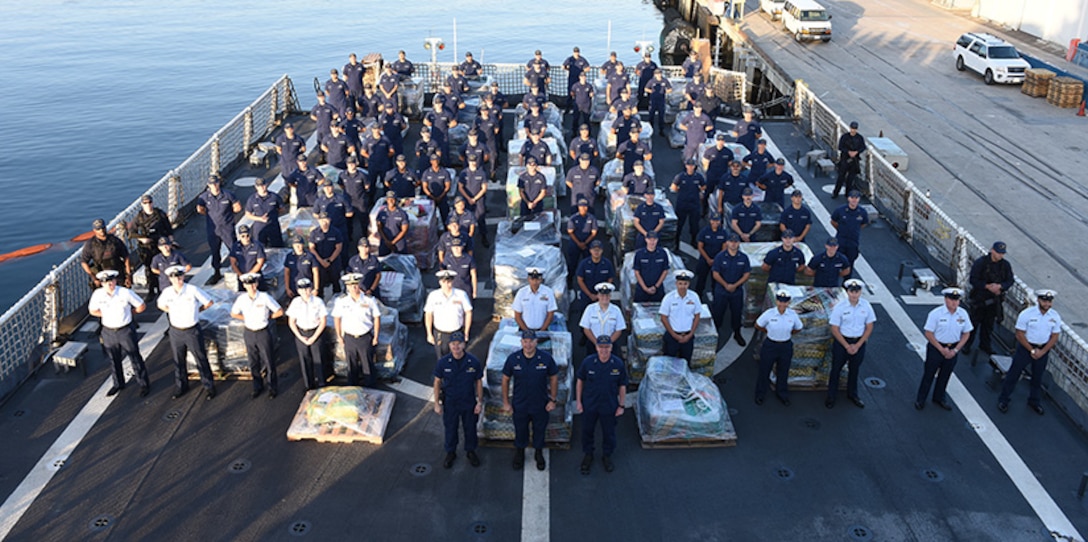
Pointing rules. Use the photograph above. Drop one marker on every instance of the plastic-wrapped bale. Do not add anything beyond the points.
(331, 174)
(299, 223)
(622, 220)
(497, 425)
(612, 172)
(628, 282)
(224, 337)
(755, 290)
(389, 356)
(551, 115)
(467, 114)
(645, 340)
(422, 239)
(674, 101)
(272, 272)
(509, 268)
(410, 98)
(677, 137)
(513, 151)
(599, 109)
(812, 345)
(607, 140)
(676, 406)
(458, 136)
(738, 150)
(343, 414)
(401, 287)
(772, 216)
(513, 195)
(543, 228)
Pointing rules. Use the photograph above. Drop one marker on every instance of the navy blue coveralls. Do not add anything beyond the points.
(651, 265)
(219, 222)
(601, 381)
(689, 203)
(850, 222)
(459, 378)
(531, 377)
(731, 269)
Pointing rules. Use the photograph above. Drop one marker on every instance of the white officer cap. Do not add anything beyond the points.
(853, 284)
(603, 287)
(352, 278)
(683, 274)
(304, 283)
(250, 278)
(534, 272)
(108, 274)
(446, 274)
(175, 271)
(783, 295)
(953, 292)
(1046, 295)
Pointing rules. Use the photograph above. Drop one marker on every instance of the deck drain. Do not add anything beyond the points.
(977, 427)
(57, 463)
(299, 528)
(100, 523)
(875, 383)
(860, 533)
(811, 423)
(479, 528)
(420, 469)
(171, 416)
(238, 466)
(18, 413)
(933, 475)
(784, 473)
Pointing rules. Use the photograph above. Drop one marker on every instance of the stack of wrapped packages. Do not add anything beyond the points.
(513, 151)
(607, 139)
(599, 110)
(224, 337)
(674, 101)
(271, 274)
(768, 230)
(677, 137)
(676, 406)
(467, 114)
(739, 151)
(401, 287)
(621, 218)
(552, 115)
(628, 282)
(410, 98)
(812, 345)
(647, 336)
(612, 172)
(456, 138)
(509, 266)
(390, 354)
(343, 414)
(298, 223)
(513, 195)
(498, 425)
(423, 229)
(544, 228)
(755, 290)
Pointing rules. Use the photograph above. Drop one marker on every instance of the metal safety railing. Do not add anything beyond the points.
(947, 248)
(29, 328)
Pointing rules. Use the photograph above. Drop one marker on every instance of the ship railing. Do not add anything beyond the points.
(31, 327)
(945, 246)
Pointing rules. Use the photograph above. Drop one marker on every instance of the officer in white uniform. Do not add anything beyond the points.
(447, 310)
(358, 321)
(602, 317)
(256, 310)
(1037, 331)
(115, 305)
(534, 305)
(182, 303)
(780, 323)
(306, 316)
(851, 326)
(680, 315)
(947, 330)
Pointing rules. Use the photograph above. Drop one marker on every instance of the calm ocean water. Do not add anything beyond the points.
(101, 99)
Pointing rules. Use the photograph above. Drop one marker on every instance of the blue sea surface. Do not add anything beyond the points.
(101, 99)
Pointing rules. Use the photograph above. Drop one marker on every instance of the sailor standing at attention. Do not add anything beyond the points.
(600, 393)
(680, 316)
(446, 311)
(851, 325)
(257, 310)
(534, 305)
(459, 397)
(536, 385)
(780, 323)
(1037, 331)
(306, 316)
(358, 321)
(219, 207)
(115, 305)
(947, 330)
(182, 304)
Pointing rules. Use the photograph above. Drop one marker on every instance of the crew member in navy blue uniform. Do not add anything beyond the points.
(575, 65)
(851, 325)
(401, 180)
(378, 151)
(470, 68)
(461, 262)
(600, 393)
(337, 91)
(533, 187)
(218, 207)
(710, 102)
(583, 180)
(369, 104)
(746, 218)
(851, 146)
(731, 187)
(353, 75)
(645, 71)
(488, 128)
(496, 100)
(991, 276)
(393, 125)
(166, 258)
(650, 265)
(690, 189)
(464, 217)
(694, 90)
(403, 67)
(782, 263)
(775, 182)
(289, 145)
(536, 97)
(747, 130)
(649, 216)
(440, 120)
(731, 270)
(709, 242)
(716, 162)
(848, 220)
(625, 106)
(247, 256)
(459, 397)
(392, 227)
(535, 120)
(353, 128)
(324, 115)
(947, 329)
(149, 227)
(536, 148)
(828, 267)
(472, 184)
(536, 386)
(454, 232)
(592, 271)
(256, 310)
(426, 147)
(697, 127)
(581, 93)
(476, 148)
(1037, 330)
(369, 269)
(758, 161)
(616, 81)
(436, 182)
(304, 180)
(680, 316)
(633, 150)
(337, 207)
(300, 264)
(115, 305)
(326, 244)
(780, 323)
(581, 230)
(796, 216)
(584, 144)
(537, 77)
(657, 88)
(389, 84)
(609, 66)
(264, 208)
(692, 65)
(637, 182)
(357, 186)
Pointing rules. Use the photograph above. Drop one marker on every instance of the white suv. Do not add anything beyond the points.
(996, 59)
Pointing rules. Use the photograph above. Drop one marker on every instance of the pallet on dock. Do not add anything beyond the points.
(1037, 82)
(367, 412)
(689, 443)
(224, 375)
(1065, 92)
